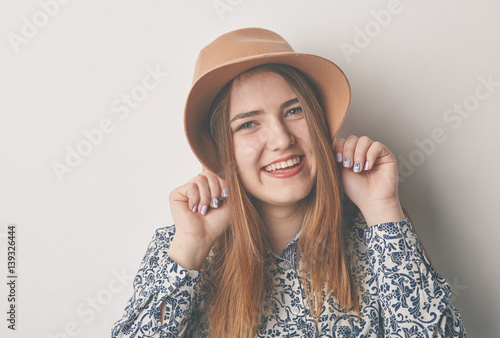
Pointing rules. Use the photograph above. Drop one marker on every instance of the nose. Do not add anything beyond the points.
(279, 136)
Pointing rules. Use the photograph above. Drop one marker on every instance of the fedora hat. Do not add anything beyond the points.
(238, 51)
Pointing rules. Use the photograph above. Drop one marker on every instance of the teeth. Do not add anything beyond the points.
(283, 164)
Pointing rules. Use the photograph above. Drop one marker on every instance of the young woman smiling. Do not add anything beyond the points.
(289, 232)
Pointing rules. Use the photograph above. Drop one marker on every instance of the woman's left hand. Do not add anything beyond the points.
(370, 177)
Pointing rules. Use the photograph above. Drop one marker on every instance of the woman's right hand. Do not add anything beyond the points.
(198, 222)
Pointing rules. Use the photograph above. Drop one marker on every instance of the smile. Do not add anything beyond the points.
(284, 166)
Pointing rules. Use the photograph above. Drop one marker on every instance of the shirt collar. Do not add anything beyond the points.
(290, 247)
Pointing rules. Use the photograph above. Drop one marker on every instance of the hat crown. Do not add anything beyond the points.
(237, 45)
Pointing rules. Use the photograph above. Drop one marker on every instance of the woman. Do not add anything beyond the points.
(274, 239)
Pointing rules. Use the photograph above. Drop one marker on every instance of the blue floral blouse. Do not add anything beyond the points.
(401, 293)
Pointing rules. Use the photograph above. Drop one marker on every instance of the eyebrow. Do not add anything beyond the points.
(258, 112)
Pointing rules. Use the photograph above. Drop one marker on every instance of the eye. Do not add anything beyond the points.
(294, 111)
(246, 125)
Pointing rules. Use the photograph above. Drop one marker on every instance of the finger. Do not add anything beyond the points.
(215, 189)
(362, 146)
(348, 150)
(338, 146)
(188, 194)
(374, 152)
(224, 192)
(205, 195)
(193, 196)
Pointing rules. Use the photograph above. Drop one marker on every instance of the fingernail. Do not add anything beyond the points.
(215, 202)
(367, 164)
(347, 162)
(204, 210)
(356, 167)
(195, 208)
(224, 192)
(339, 157)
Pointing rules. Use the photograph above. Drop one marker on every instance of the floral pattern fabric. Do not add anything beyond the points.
(401, 295)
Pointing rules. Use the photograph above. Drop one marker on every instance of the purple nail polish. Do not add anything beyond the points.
(195, 208)
(367, 164)
(204, 210)
(339, 157)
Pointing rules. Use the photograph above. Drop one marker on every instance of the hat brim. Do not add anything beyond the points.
(327, 78)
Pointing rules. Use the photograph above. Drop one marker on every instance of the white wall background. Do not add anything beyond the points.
(80, 238)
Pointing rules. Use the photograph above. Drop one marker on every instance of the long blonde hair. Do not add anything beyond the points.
(238, 279)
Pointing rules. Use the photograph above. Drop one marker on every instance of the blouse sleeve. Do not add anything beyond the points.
(415, 298)
(160, 278)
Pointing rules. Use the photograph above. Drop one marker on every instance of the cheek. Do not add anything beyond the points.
(300, 130)
(246, 150)
(303, 137)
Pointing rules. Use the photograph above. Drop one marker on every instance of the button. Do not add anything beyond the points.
(287, 266)
(173, 279)
(295, 310)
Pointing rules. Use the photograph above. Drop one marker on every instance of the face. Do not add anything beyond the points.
(272, 145)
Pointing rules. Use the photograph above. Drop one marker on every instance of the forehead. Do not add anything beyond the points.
(257, 90)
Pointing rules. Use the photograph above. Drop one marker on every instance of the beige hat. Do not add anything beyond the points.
(236, 52)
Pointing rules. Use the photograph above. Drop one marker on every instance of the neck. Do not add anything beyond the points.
(282, 223)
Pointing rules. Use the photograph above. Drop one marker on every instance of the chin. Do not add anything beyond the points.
(285, 198)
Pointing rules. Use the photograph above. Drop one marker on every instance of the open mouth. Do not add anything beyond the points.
(284, 166)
